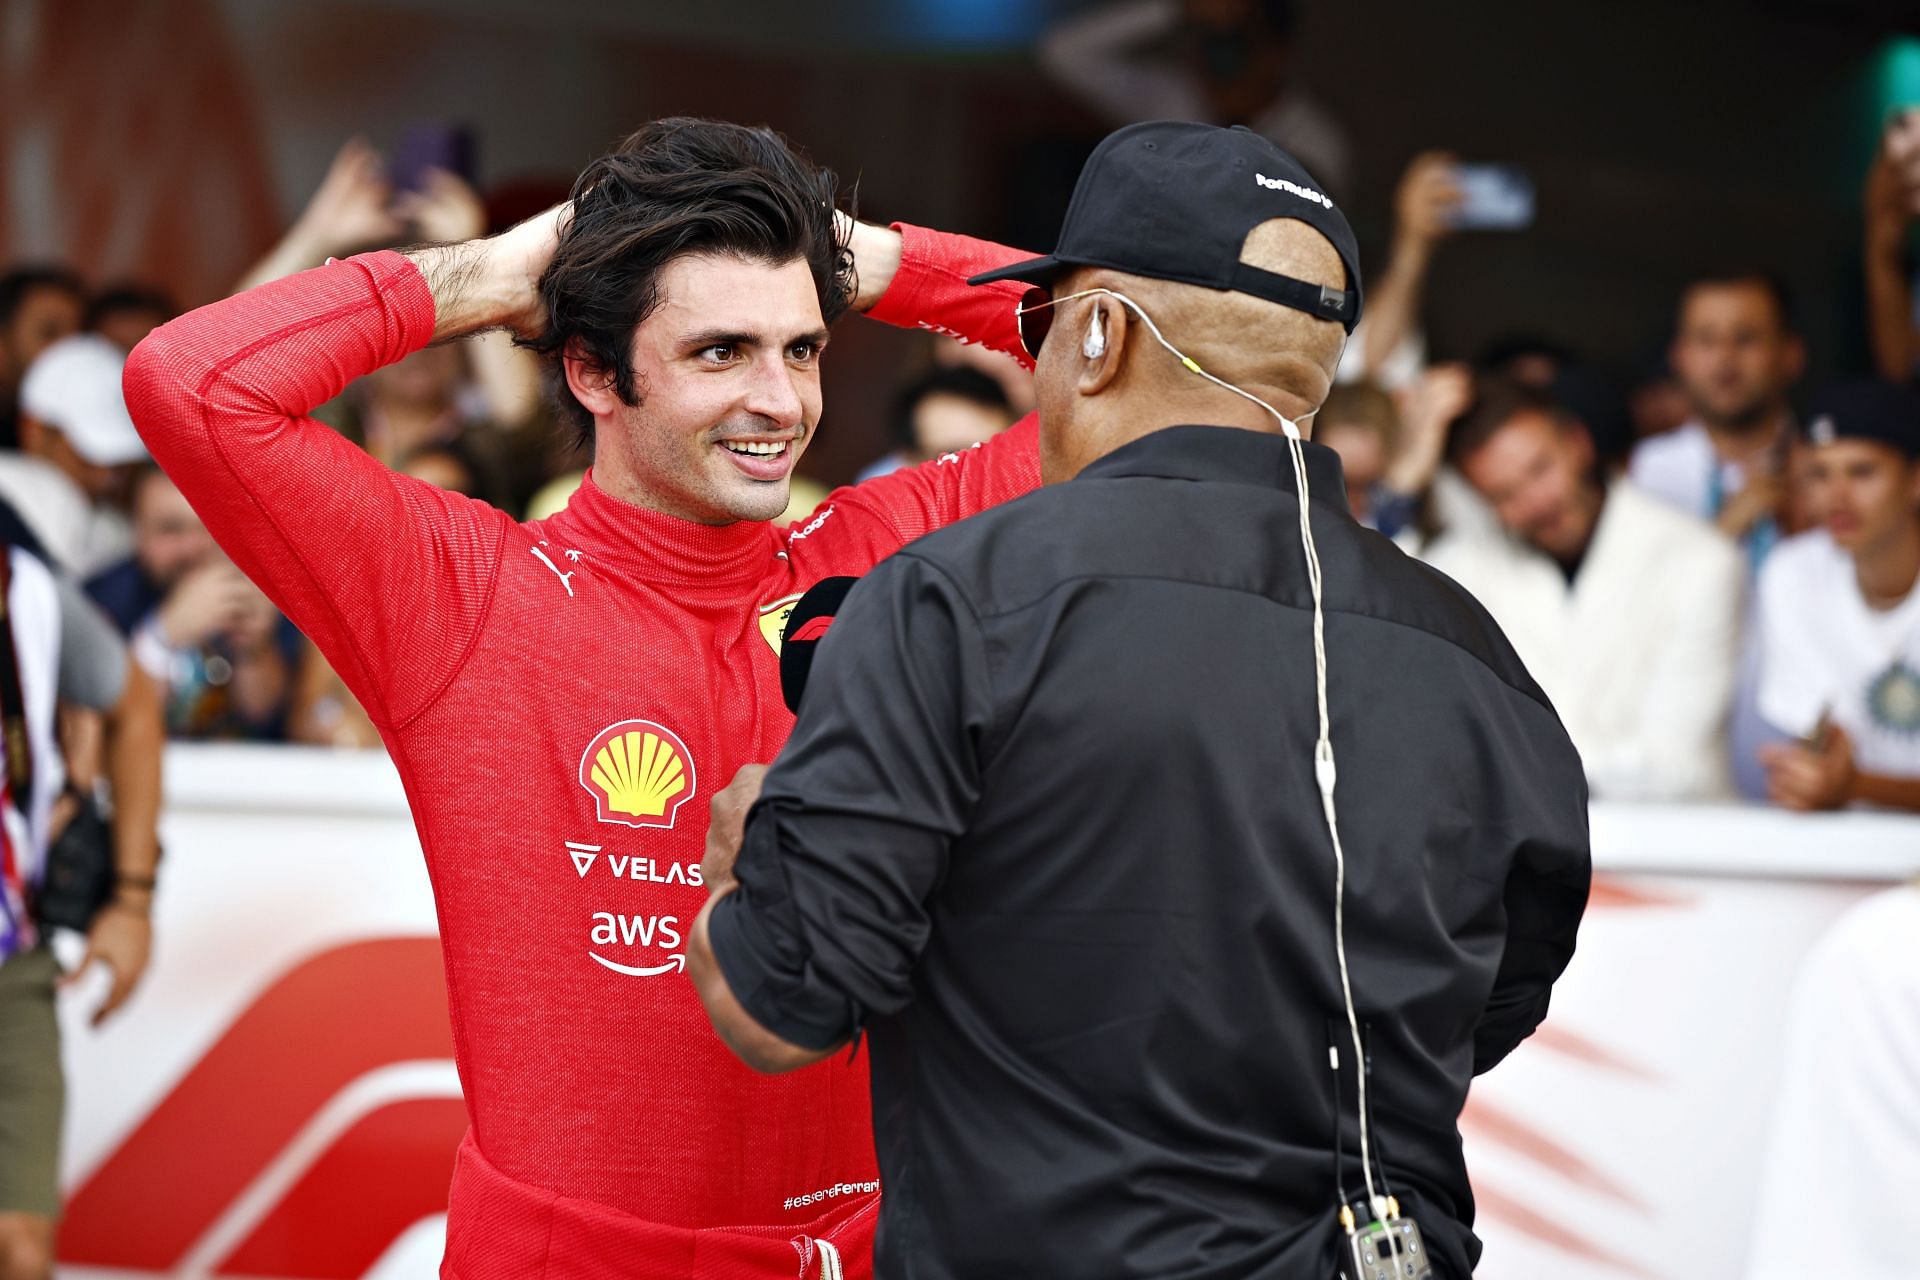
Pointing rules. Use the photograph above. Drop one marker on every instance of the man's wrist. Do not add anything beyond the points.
(877, 254)
(137, 902)
(472, 287)
(1889, 793)
(1412, 472)
(1411, 249)
(163, 632)
(251, 650)
(304, 247)
(1886, 234)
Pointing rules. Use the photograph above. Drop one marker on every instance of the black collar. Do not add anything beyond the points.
(1229, 455)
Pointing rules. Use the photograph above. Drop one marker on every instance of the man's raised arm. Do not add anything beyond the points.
(917, 279)
(388, 575)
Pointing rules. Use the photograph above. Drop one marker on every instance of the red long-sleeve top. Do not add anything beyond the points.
(562, 697)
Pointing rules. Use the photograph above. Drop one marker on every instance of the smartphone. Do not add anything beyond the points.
(1820, 738)
(1493, 197)
(431, 145)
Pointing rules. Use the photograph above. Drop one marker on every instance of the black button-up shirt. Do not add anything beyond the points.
(1048, 831)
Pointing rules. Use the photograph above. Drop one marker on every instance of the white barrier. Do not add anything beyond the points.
(1626, 1138)
(278, 1098)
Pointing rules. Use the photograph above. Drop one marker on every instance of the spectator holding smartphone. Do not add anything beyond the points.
(218, 648)
(1437, 196)
(1892, 205)
(1386, 348)
(483, 390)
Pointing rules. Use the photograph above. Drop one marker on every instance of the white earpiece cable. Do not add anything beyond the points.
(1324, 772)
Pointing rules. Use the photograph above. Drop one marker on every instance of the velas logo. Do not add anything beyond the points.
(639, 774)
(1281, 184)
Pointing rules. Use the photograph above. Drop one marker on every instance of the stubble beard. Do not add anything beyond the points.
(1749, 418)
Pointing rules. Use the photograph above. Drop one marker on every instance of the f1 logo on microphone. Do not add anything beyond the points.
(813, 628)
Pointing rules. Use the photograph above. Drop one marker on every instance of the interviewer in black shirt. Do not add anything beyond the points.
(1048, 829)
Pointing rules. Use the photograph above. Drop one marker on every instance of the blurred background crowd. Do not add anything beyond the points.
(1593, 349)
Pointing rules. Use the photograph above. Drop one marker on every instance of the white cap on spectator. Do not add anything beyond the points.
(74, 387)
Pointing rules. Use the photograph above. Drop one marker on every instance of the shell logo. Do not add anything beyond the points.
(638, 772)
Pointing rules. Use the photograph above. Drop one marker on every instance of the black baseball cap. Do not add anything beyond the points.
(1175, 201)
(1870, 409)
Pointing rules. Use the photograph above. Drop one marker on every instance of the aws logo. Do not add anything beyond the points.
(639, 774)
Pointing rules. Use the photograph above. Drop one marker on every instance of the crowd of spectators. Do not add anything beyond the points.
(1720, 595)
(1652, 549)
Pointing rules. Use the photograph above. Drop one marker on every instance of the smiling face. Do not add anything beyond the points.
(1535, 474)
(728, 371)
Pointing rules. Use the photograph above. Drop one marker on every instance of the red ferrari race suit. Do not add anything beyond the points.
(562, 698)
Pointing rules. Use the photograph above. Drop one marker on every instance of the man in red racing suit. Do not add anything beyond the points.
(562, 697)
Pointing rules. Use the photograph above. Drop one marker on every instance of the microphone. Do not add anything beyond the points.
(812, 615)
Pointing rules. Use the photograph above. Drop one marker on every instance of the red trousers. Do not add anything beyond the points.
(518, 1232)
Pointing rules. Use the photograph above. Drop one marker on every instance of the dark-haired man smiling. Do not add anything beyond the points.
(563, 696)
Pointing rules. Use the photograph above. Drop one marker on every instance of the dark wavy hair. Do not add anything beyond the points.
(680, 186)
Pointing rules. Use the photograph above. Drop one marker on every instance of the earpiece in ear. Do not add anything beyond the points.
(1095, 345)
